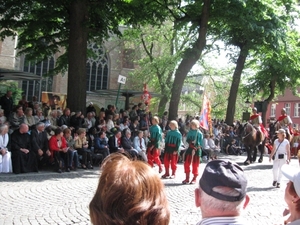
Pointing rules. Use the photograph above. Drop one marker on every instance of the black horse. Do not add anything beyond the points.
(253, 141)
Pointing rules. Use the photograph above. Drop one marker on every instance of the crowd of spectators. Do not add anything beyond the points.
(67, 140)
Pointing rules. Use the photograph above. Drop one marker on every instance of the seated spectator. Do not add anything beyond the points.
(72, 152)
(127, 144)
(77, 120)
(3, 119)
(114, 142)
(101, 144)
(81, 145)
(23, 102)
(143, 122)
(16, 118)
(35, 108)
(233, 149)
(109, 122)
(89, 121)
(125, 124)
(221, 194)
(137, 198)
(58, 147)
(140, 146)
(23, 156)
(29, 118)
(134, 127)
(214, 149)
(40, 144)
(53, 119)
(5, 154)
(39, 117)
(206, 147)
(65, 118)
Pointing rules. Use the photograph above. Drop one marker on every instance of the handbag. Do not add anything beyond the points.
(273, 157)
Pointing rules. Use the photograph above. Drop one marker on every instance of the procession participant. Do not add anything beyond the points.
(193, 153)
(153, 150)
(222, 193)
(256, 121)
(285, 121)
(172, 144)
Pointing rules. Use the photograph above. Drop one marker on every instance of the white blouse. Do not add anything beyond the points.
(3, 141)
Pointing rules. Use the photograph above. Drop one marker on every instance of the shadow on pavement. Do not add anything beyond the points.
(255, 189)
(47, 175)
(175, 184)
(257, 166)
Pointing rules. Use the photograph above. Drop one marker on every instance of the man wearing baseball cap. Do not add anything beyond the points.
(221, 194)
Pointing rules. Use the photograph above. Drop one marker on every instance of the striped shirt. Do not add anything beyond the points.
(222, 221)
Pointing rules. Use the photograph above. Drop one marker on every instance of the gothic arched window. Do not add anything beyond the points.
(35, 88)
(97, 69)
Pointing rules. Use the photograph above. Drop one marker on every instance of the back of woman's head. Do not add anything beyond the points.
(129, 192)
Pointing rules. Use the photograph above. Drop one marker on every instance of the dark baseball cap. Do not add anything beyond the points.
(221, 173)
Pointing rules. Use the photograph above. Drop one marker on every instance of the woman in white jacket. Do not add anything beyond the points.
(5, 155)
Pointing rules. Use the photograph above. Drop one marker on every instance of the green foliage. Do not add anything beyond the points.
(11, 86)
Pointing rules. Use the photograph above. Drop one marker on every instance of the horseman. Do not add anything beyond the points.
(256, 121)
(285, 122)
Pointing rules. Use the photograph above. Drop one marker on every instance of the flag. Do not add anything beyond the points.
(205, 115)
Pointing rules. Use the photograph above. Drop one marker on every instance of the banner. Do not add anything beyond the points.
(55, 100)
(205, 115)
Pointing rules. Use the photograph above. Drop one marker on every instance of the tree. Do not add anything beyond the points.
(276, 70)
(249, 26)
(45, 27)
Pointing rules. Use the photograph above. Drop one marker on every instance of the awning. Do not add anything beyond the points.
(8, 74)
(123, 92)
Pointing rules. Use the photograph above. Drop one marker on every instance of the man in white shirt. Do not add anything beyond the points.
(221, 194)
(139, 145)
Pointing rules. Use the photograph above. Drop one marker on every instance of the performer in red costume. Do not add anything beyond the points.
(256, 121)
(153, 150)
(285, 121)
(193, 153)
(172, 145)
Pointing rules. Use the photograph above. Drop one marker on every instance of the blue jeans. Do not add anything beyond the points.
(73, 156)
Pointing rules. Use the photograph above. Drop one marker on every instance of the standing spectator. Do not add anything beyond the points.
(5, 154)
(282, 155)
(59, 148)
(193, 153)
(221, 194)
(90, 108)
(7, 103)
(23, 156)
(155, 138)
(109, 123)
(133, 113)
(134, 127)
(23, 102)
(140, 146)
(40, 144)
(139, 110)
(172, 144)
(32, 102)
(16, 118)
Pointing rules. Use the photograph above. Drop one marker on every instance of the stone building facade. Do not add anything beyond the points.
(112, 59)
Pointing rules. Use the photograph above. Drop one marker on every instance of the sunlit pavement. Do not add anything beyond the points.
(52, 198)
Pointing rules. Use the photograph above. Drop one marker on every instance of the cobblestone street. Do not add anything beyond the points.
(52, 198)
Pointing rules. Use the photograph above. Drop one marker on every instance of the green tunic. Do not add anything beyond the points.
(173, 141)
(155, 135)
(190, 138)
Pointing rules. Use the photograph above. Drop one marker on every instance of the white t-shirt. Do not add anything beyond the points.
(280, 147)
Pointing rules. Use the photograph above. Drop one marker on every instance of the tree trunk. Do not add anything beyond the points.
(191, 56)
(162, 104)
(76, 94)
(235, 85)
(267, 101)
